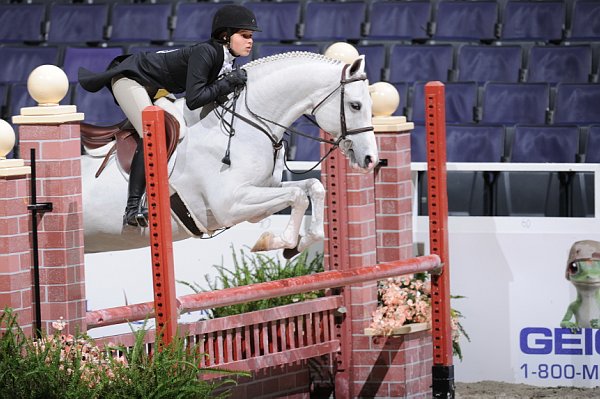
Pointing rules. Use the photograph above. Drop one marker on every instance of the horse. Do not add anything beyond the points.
(279, 90)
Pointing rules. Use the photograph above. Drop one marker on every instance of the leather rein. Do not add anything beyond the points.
(278, 144)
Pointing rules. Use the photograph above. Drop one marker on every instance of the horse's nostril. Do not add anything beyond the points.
(368, 160)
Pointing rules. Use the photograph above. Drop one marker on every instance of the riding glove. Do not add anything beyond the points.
(237, 77)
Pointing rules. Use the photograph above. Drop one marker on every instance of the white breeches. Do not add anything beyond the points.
(132, 97)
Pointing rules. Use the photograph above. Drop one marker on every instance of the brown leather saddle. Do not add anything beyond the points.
(125, 140)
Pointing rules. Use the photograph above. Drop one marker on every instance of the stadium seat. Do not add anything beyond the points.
(545, 144)
(194, 21)
(303, 148)
(488, 63)
(141, 22)
(418, 146)
(466, 20)
(413, 63)
(375, 60)
(402, 88)
(278, 21)
(577, 103)
(77, 23)
(334, 20)
(585, 20)
(461, 100)
(21, 23)
(592, 152)
(18, 62)
(265, 50)
(533, 20)
(93, 58)
(515, 103)
(402, 20)
(584, 182)
(568, 64)
(99, 108)
(150, 49)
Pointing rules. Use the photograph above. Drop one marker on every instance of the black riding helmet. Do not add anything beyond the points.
(234, 17)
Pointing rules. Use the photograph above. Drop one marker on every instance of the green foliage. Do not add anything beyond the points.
(251, 269)
(63, 366)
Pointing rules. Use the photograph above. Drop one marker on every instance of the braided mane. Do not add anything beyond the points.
(291, 55)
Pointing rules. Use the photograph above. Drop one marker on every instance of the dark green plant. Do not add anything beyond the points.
(259, 268)
(63, 366)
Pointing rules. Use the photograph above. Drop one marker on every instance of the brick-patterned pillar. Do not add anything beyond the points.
(15, 259)
(53, 130)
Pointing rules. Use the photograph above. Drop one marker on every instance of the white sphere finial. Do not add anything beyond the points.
(341, 51)
(47, 84)
(385, 98)
(7, 138)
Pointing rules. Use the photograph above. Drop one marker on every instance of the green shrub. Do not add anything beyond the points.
(259, 268)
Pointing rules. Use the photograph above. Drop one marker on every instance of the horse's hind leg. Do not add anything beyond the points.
(314, 232)
(256, 203)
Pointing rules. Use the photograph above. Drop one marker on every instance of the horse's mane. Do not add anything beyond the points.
(291, 55)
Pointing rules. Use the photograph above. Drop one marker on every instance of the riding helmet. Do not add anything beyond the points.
(233, 16)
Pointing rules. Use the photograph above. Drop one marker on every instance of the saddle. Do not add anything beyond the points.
(125, 140)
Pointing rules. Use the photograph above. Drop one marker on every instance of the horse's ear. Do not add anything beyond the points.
(358, 66)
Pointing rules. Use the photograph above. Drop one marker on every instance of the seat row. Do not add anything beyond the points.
(312, 20)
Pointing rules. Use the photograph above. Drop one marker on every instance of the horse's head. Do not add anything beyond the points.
(345, 113)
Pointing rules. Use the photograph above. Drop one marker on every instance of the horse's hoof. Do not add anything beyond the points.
(263, 242)
(289, 253)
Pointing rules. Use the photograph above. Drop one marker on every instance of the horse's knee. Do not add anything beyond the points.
(299, 197)
(317, 191)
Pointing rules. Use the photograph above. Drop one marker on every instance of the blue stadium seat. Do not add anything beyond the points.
(303, 148)
(22, 22)
(400, 20)
(334, 20)
(461, 100)
(466, 20)
(265, 50)
(194, 21)
(418, 146)
(533, 20)
(567, 64)
(99, 108)
(474, 143)
(585, 21)
(413, 63)
(77, 23)
(577, 103)
(402, 88)
(18, 62)
(150, 49)
(592, 153)
(545, 144)
(584, 183)
(515, 103)
(141, 22)
(278, 21)
(95, 59)
(489, 63)
(375, 60)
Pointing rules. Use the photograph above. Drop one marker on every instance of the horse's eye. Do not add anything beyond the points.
(356, 105)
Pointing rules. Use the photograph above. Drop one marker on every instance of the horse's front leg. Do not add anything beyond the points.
(257, 203)
(314, 232)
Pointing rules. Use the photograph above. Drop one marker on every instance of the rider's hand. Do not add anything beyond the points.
(237, 77)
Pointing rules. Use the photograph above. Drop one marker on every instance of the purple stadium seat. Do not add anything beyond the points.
(577, 103)
(141, 22)
(194, 21)
(402, 88)
(461, 100)
(375, 60)
(334, 20)
(413, 63)
(567, 64)
(303, 148)
(77, 23)
(533, 20)
(265, 50)
(278, 21)
(399, 20)
(592, 153)
(585, 21)
(18, 62)
(99, 108)
(545, 144)
(489, 63)
(515, 103)
(93, 58)
(22, 22)
(466, 20)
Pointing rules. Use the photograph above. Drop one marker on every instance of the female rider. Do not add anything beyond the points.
(204, 71)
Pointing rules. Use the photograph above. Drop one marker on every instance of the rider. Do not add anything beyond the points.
(204, 71)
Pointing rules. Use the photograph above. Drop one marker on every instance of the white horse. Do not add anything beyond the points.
(280, 89)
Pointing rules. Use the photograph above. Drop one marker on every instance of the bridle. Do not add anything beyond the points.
(277, 145)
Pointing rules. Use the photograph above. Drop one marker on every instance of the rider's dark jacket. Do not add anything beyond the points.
(192, 69)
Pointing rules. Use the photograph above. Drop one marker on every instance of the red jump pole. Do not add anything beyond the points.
(159, 218)
(435, 125)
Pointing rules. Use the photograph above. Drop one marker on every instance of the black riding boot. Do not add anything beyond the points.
(135, 214)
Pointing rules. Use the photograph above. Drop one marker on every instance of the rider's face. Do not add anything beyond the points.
(241, 42)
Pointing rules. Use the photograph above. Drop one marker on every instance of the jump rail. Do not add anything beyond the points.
(271, 289)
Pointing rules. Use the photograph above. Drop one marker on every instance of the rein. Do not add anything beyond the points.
(277, 145)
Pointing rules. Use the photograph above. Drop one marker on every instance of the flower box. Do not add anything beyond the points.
(405, 329)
